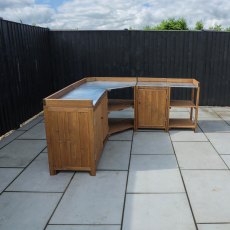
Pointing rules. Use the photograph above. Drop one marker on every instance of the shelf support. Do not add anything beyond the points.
(191, 110)
(197, 106)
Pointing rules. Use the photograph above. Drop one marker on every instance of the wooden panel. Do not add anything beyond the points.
(104, 111)
(100, 126)
(181, 123)
(68, 103)
(179, 80)
(151, 79)
(98, 132)
(69, 137)
(152, 107)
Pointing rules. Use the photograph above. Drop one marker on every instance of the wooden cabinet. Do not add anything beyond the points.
(151, 107)
(68, 132)
(75, 135)
(76, 117)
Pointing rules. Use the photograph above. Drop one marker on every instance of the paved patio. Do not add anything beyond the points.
(145, 180)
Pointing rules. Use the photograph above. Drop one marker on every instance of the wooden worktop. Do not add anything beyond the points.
(91, 89)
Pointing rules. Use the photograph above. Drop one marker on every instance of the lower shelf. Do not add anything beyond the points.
(119, 124)
(181, 123)
(119, 104)
(182, 103)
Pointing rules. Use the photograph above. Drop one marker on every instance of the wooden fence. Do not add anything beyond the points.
(25, 73)
(36, 61)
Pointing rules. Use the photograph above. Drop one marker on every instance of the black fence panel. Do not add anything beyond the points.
(25, 75)
(204, 55)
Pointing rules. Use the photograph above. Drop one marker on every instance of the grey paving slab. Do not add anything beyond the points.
(197, 155)
(115, 156)
(31, 123)
(206, 112)
(226, 159)
(26, 211)
(7, 175)
(217, 118)
(157, 211)
(213, 226)
(37, 132)
(43, 119)
(221, 142)
(175, 109)
(214, 126)
(122, 114)
(225, 116)
(205, 115)
(122, 136)
(83, 227)
(187, 135)
(208, 192)
(11, 137)
(154, 174)
(36, 178)
(221, 109)
(45, 150)
(179, 114)
(152, 143)
(19, 153)
(93, 200)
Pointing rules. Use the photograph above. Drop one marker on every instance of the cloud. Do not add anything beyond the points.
(26, 11)
(14, 3)
(116, 14)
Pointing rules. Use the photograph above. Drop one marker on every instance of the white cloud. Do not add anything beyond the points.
(14, 3)
(116, 14)
(26, 11)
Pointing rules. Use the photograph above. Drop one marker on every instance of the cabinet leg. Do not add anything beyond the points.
(53, 172)
(92, 172)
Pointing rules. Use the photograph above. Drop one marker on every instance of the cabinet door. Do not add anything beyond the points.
(152, 107)
(69, 136)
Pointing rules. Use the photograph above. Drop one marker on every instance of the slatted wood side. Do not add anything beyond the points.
(152, 104)
(70, 138)
(104, 110)
(100, 126)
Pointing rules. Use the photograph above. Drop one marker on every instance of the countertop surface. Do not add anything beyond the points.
(94, 90)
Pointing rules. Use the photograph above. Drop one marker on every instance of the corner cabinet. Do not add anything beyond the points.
(151, 107)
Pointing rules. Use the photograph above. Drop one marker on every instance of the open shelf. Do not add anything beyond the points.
(182, 103)
(119, 104)
(181, 123)
(119, 124)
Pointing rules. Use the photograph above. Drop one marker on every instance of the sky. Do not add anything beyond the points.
(113, 14)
